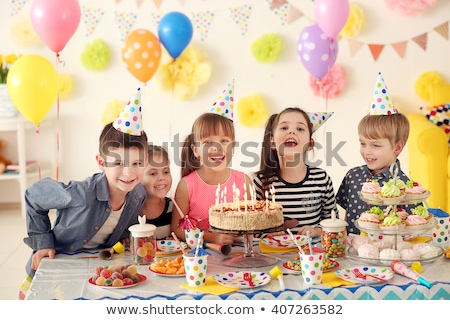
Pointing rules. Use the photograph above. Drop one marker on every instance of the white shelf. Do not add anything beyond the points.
(20, 125)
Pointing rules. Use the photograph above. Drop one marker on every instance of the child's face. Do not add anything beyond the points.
(378, 154)
(291, 136)
(157, 178)
(124, 168)
(214, 152)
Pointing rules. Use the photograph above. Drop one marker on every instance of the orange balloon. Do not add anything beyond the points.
(142, 54)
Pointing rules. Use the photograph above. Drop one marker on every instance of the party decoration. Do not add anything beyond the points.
(175, 33)
(267, 48)
(22, 31)
(331, 15)
(142, 54)
(224, 103)
(431, 87)
(55, 21)
(65, 86)
(410, 7)
(316, 51)
(331, 85)
(440, 116)
(96, 55)
(91, 18)
(241, 15)
(111, 111)
(33, 93)
(202, 22)
(252, 111)
(381, 101)
(355, 21)
(130, 119)
(319, 118)
(124, 21)
(184, 75)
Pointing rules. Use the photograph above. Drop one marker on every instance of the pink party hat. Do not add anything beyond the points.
(224, 104)
(381, 101)
(319, 118)
(130, 119)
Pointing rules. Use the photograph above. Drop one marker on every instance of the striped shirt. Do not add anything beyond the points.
(309, 201)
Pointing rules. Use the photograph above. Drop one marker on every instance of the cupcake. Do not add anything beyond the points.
(391, 192)
(371, 218)
(402, 213)
(414, 190)
(392, 223)
(422, 212)
(415, 221)
(370, 189)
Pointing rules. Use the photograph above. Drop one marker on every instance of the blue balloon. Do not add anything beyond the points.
(175, 33)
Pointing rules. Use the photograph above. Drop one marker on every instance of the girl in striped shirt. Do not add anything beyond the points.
(306, 193)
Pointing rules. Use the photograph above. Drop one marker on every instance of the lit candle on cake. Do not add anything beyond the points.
(234, 192)
(272, 192)
(267, 201)
(238, 195)
(245, 200)
(221, 202)
(253, 197)
(217, 193)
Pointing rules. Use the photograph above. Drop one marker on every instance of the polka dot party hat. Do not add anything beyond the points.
(130, 119)
(381, 101)
(224, 104)
(319, 118)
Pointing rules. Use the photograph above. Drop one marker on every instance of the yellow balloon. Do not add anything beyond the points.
(33, 86)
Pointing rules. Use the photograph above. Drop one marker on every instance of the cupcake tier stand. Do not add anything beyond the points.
(249, 258)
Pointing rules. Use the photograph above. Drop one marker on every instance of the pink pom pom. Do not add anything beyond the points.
(331, 85)
(410, 7)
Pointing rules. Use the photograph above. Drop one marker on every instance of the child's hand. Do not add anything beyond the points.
(125, 242)
(39, 255)
(313, 232)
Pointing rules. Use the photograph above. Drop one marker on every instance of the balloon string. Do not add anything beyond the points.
(37, 130)
(59, 60)
(57, 137)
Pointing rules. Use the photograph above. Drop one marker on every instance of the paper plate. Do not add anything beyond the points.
(381, 272)
(144, 278)
(284, 241)
(335, 266)
(168, 247)
(236, 279)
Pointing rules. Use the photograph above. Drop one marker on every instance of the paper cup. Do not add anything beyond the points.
(440, 232)
(195, 267)
(192, 236)
(312, 265)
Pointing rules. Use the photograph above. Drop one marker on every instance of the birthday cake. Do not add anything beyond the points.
(247, 215)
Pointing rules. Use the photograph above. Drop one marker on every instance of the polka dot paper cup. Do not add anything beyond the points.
(192, 236)
(441, 235)
(312, 266)
(195, 267)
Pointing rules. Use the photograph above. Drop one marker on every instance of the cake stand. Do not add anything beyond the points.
(249, 258)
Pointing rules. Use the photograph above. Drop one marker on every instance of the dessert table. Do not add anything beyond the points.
(66, 278)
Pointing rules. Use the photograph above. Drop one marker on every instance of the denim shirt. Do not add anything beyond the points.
(82, 207)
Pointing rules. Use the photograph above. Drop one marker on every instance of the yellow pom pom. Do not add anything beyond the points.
(252, 111)
(111, 112)
(417, 267)
(355, 22)
(65, 86)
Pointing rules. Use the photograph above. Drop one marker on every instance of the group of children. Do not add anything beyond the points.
(135, 179)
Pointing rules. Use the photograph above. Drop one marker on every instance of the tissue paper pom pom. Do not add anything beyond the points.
(185, 74)
(22, 31)
(65, 86)
(96, 55)
(252, 111)
(331, 85)
(267, 48)
(410, 7)
(355, 22)
(112, 111)
(424, 84)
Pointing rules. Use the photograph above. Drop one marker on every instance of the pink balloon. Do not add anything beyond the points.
(55, 21)
(331, 15)
(316, 51)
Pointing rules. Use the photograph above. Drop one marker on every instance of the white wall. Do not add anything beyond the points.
(282, 83)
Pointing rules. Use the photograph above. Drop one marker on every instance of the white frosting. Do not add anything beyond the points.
(368, 250)
(389, 254)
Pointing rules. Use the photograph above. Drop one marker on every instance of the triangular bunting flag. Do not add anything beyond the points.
(117, 1)
(91, 17)
(241, 16)
(282, 13)
(400, 48)
(156, 17)
(421, 41)
(182, 2)
(138, 3)
(202, 22)
(276, 3)
(376, 49)
(354, 46)
(442, 30)
(293, 14)
(124, 22)
(157, 3)
(17, 5)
